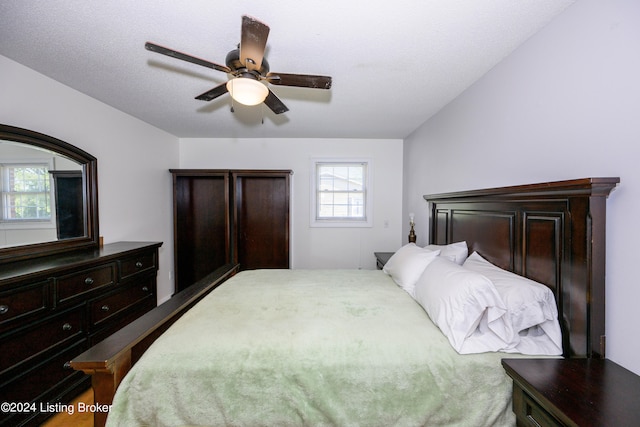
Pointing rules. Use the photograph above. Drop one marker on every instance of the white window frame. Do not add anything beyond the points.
(31, 223)
(315, 221)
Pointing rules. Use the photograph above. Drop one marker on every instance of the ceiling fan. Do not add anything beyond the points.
(249, 69)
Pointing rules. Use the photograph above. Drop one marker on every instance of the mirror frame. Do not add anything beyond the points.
(91, 239)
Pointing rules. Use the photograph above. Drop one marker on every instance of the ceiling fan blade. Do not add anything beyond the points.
(253, 42)
(183, 56)
(213, 93)
(300, 80)
(274, 103)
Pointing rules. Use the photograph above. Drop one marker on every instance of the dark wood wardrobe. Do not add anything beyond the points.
(223, 216)
(69, 206)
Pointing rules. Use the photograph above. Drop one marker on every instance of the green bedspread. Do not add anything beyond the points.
(310, 348)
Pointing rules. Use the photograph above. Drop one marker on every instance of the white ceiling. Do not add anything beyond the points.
(393, 64)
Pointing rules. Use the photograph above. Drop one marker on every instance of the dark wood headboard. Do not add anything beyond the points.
(553, 233)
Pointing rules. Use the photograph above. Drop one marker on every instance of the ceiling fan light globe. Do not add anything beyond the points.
(247, 91)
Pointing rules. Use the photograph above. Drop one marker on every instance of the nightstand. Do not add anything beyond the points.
(382, 258)
(573, 392)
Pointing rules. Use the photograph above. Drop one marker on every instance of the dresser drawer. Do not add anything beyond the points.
(27, 300)
(105, 308)
(38, 378)
(119, 322)
(23, 345)
(137, 264)
(529, 413)
(77, 284)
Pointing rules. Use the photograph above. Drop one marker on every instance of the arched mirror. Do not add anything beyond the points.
(48, 196)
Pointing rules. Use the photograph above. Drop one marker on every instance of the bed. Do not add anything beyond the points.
(329, 347)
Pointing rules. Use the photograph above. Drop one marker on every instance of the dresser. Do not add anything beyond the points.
(54, 308)
(573, 392)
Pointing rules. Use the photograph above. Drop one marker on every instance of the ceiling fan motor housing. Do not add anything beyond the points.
(239, 69)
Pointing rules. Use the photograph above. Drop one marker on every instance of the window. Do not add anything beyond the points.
(25, 190)
(341, 193)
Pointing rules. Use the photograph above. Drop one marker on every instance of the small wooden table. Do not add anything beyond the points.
(382, 258)
(573, 392)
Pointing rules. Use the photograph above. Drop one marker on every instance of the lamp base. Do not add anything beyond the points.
(412, 235)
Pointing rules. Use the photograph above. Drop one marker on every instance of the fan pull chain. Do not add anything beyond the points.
(232, 109)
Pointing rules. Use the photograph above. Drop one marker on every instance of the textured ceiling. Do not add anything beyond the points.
(394, 64)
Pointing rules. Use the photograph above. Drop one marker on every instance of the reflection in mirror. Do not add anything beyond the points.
(41, 195)
(48, 195)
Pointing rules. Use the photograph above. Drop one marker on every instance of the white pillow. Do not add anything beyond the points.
(456, 252)
(529, 303)
(407, 264)
(459, 300)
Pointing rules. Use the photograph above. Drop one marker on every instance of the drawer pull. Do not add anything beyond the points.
(145, 288)
(88, 281)
(4, 309)
(67, 327)
(105, 308)
(138, 264)
(67, 365)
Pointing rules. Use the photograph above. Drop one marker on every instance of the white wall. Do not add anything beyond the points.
(564, 105)
(134, 185)
(317, 247)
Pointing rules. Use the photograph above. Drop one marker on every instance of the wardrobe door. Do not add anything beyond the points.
(201, 224)
(69, 204)
(261, 218)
